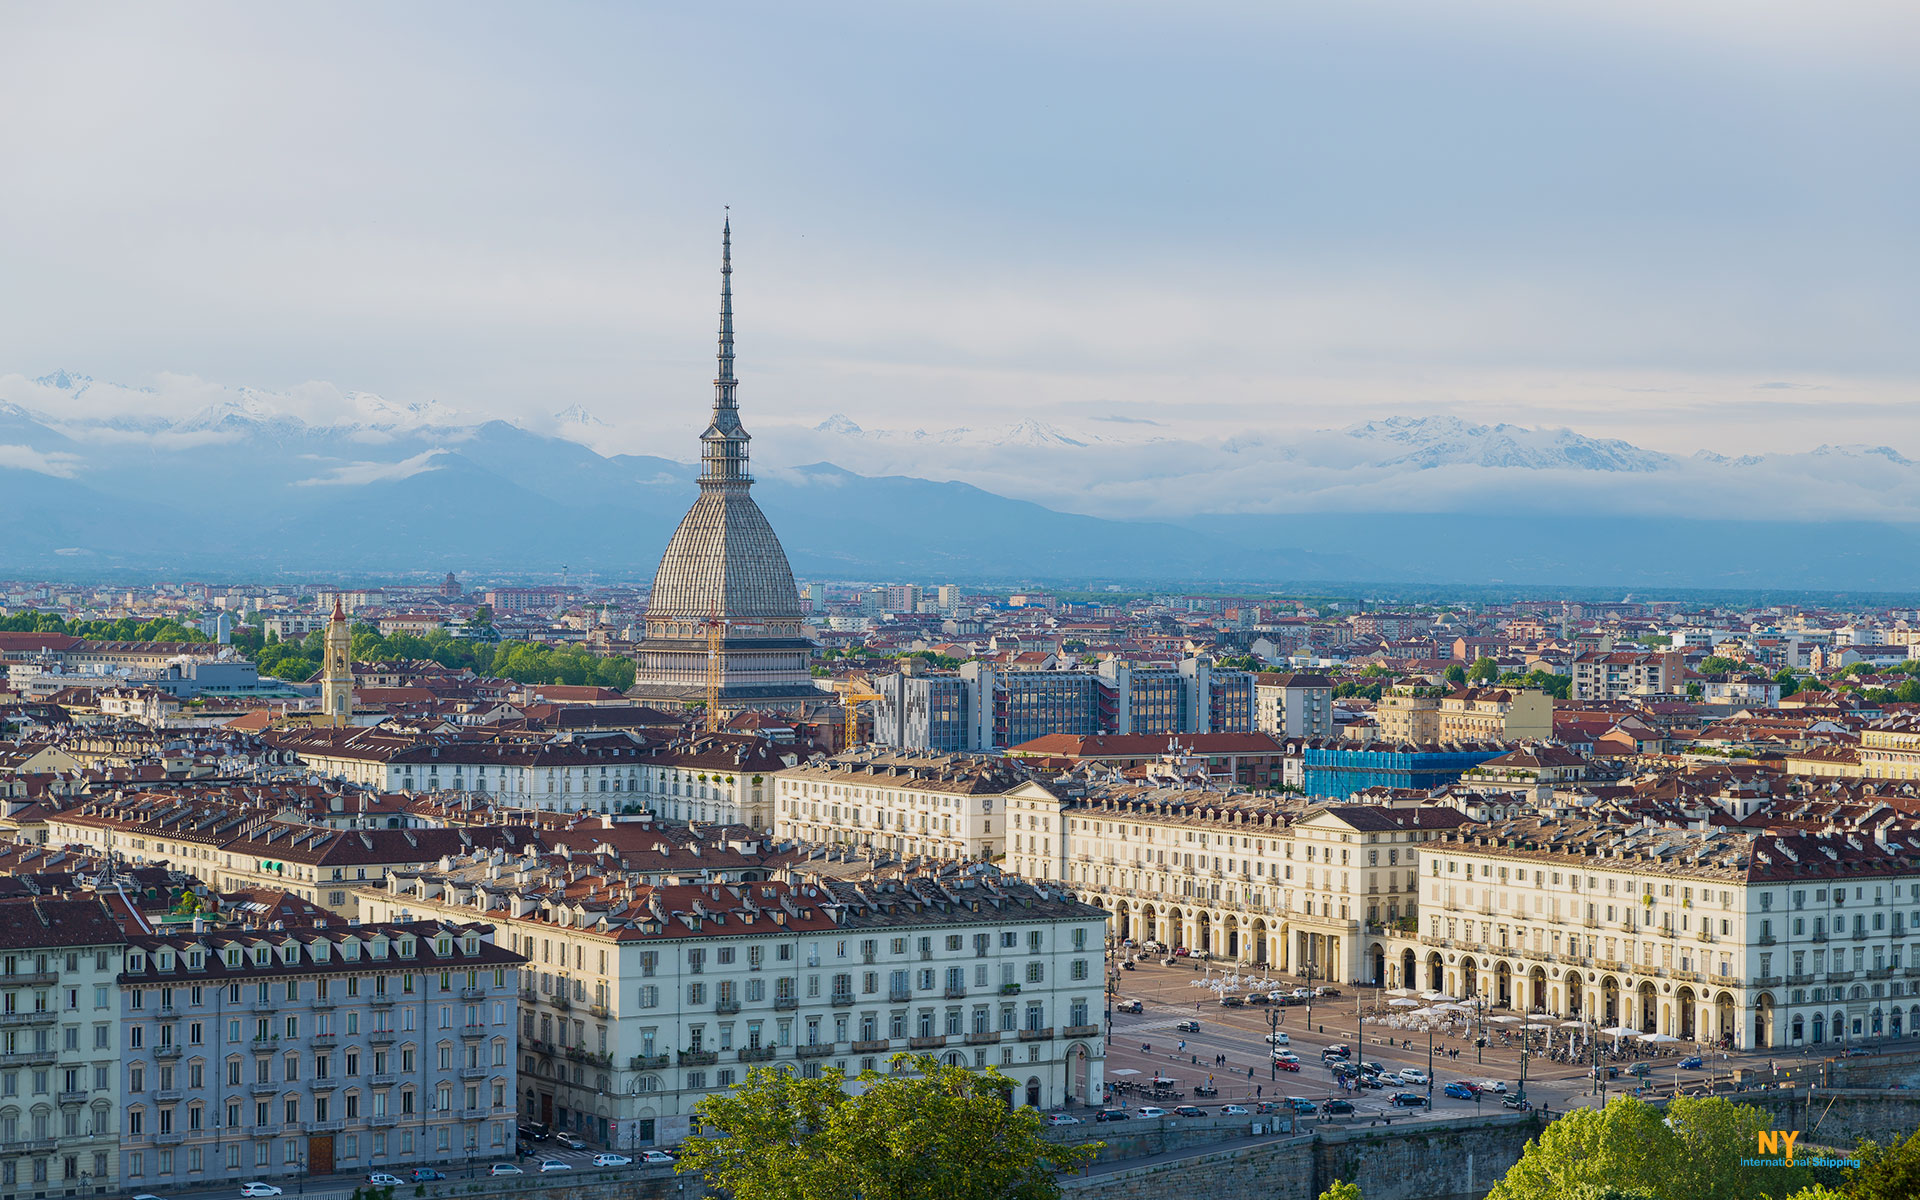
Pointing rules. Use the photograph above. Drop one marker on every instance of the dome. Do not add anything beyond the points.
(725, 560)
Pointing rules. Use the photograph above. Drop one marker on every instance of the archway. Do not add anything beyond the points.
(1175, 924)
(1203, 931)
(1469, 972)
(1684, 1009)
(1649, 1004)
(1436, 974)
(1502, 984)
(1122, 921)
(1609, 1000)
(1033, 1092)
(1819, 1033)
(1378, 959)
(1409, 973)
(1258, 933)
(1149, 924)
(1763, 1031)
(1725, 1024)
(1082, 1075)
(1230, 936)
(1537, 990)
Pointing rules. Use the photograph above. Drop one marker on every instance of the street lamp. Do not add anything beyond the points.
(1273, 1043)
(471, 1147)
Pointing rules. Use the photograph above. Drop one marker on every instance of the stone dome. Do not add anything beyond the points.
(725, 560)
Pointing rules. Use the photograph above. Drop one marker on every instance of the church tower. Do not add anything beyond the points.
(336, 671)
(724, 595)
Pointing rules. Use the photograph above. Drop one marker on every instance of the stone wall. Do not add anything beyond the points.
(1840, 1117)
(1141, 1139)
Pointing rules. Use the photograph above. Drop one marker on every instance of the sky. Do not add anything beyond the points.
(1686, 225)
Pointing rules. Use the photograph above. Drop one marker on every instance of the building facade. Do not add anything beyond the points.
(1424, 716)
(284, 1053)
(1338, 771)
(946, 806)
(1619, 674)
(1293, 705)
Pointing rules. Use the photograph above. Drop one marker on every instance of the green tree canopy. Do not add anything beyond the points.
(1483, 670)
(1693, 1153)
(921, 1131)
(1342, 1190)
(1887, 1172)
(1455, 674)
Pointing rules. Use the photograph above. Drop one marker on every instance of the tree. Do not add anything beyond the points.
(1692, 1154)
(1455, 674)
(1887, 1172)
(1483, 670)
(1342, 1190)
(919, 1131)
(1788, 681)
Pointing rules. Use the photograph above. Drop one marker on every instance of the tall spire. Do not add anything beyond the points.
(723, 447)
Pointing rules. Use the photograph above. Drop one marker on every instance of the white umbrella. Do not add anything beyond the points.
(1404, 1003)
(1435, 996)
(1575, 1024)
(1621, 1031)
(1124, 1071)
(1658, 1037)
(1504, 1020)
(1454, 1007)
(1400, 992)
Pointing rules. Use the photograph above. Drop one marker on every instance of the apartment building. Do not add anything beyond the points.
(59, 1094)
(1757, 939)
(1619, 674)
(1247, 880)
(637, 1001)
(1423, 716)
(942, 805)
(1890, 748)
(289, 1052)
(1293, 705)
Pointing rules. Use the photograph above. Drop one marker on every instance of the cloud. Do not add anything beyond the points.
(56, 463)
(360, 474)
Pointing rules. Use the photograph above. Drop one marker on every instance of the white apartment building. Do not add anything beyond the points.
(1620, 674)
(949, 806)
(59, 1048)
(1765, 940)
(1293, 705)
(1243, 879)
(637, 1001)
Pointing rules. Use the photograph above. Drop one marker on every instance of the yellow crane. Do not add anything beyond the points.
(716, 656)
(851, 698)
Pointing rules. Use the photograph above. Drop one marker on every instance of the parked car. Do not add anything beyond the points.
(259, 1189)
(1337, 1107)
(1371, 1068)
(656, 1158)
(382, 1179)
(1110, 1114)
(569, 1141)
(1301, 993)
(1132, 1006)
(1516, 1102)
(1640, 1068)
(505, 1169)
(1232, 1002)
(1849, 1052)
(1259, 998)
(1497, 1086)
(1690, 1064)
(1414, 1075)
(611, 1160)
(1062, 1119)
(1279, 1039)
(1233, 1110)
(1148, 1110)
(534, 1133)
(1603, 1073)
(554, 1164)
(1459, 1091)
(1286, 1064)
(1337, 1050)
(1371, 1082)
(1300, 1104)
(426, 1175)
(1409, 1100)
(1326, 991)
(1187, 1027)
(1188, 1110)
(1285, 1056)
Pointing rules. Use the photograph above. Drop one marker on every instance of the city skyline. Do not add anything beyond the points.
(1672, 228)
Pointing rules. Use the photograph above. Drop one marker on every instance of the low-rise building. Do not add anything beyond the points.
(280, 1053)
(943, 805)
(1293, 705)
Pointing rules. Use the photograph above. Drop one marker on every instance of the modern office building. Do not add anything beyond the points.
(1337, 771)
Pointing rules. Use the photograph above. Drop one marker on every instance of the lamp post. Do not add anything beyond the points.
(1429, 1066)
(1113, 986)
(300, 1173)
(471, 1147)
(1273, 1043)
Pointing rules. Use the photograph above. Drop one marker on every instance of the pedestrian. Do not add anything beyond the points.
(1256, 1091)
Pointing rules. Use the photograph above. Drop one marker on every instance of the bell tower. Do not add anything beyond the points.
(336, 670)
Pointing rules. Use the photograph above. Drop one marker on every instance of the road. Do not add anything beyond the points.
(1237, 1035)
(341, 1186)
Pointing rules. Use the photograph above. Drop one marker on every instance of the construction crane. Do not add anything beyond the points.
(850, 701)
(716, 654)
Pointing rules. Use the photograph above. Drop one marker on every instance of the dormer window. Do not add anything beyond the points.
(194, 961)
(443, 946)
(166, 960)
(233, 956)
(319, 950)
(136, 961)
(262, 956)
(406, 947)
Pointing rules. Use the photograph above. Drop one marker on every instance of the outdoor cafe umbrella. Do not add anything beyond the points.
(1658, 1037)
(1621, 1031)
(1400, 992)
(1504, 1020)
(1576, 1024)
(1404, 1003)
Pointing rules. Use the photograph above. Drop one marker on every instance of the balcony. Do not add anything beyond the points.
(785, 1003)
(472, 1033)
(563, 1003)
(323, 1085)
(983, 1039)
(926, 1043)
(171, 1138)
(163, 1096)
(1839, 976)
(1074, 1031)
(14, 1019)
(80, 1097)
(900, 996)
(818, 1050)
(1765, 939)
(726, 1007)
(325, 1126)
(323, 1041)
(264, 1007)
(259, 1044)
(384, 1080)
(1009, 989)
(383, 1119)
(956, 993)
(29, 1146)
(324, 1002)
(170, 1050)
(31, 979)
(756, 1054)
(382, 999)
(475, 1114)
(842, 999)
(1037, 1035)
(1818, 937)
(263, 1089)
(473, 993)
(31, 1058)
(383, 1037)
(600, 1010)
(875, 1046)
(699, 1058)
(647, 1062)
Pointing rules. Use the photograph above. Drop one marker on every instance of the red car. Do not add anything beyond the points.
(1470, 1085)
(1284, 1065)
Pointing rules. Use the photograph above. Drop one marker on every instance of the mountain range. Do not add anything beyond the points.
(251, 484)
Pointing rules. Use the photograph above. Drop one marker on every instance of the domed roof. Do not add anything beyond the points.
(725, 560)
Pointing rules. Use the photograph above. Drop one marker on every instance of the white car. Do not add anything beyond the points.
(1149, 1111)
(1496, 1086)
(382, 1179)
(1232, 1110)
(1301, 993)
(655, 1158)
(1285, 1056)
(504, 1169)
(260, 1189)
(1279, 1039)
(1413, 1075)
(611, 1160)
(1062, 1119)
(554, 1164)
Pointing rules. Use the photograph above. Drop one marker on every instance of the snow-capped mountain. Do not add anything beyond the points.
(1025, 433)
(577, 415)
(1428, 442)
